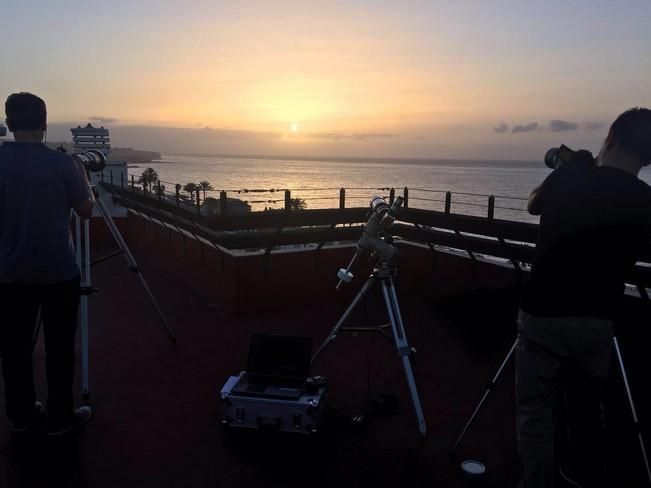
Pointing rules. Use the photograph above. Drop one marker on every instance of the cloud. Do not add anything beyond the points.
(103, 120)
(562, 125)
(354, 136)
(595, 125)
(362, 136)
(525, 128)
(501, 128)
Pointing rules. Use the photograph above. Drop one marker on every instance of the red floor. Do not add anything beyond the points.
(156, 403)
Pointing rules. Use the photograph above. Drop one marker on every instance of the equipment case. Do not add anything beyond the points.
(303, 415)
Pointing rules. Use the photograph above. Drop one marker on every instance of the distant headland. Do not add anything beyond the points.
(118, 153)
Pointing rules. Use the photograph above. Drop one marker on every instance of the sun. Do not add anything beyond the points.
(293, 127)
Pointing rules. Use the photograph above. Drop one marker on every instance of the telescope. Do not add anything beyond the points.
(377, 239)
(374, 236)
(92, 160)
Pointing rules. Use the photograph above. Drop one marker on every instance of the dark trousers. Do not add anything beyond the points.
(19, 306)
(562, 365)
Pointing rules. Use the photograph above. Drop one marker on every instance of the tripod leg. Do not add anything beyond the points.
(77, 238)
(393, 309)
(84, 249)
(133, 265)
(489, 388)
(620, 361)
(37, 329)
(333, 334)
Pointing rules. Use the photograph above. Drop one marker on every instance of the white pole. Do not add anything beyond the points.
(84, 307)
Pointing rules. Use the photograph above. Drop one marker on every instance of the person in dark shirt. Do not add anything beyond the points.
(38, 270)
(594, 225)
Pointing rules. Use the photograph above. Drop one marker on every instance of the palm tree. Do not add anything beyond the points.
(190, 188)
(148, 178)
(205, 186)
(297, 204)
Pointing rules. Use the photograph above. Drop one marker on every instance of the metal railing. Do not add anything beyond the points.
(475, 235)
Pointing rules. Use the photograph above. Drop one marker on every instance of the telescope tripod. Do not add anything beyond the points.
(383, 275)
(620, 362)
(82, 237)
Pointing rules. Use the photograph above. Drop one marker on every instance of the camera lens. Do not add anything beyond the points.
(379, 206)
(551, 158)
(92, 160)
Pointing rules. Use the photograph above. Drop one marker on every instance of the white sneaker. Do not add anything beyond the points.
(80, 416)
(39, 411)
(568, 479)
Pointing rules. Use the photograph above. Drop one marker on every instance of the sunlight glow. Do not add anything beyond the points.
(408, 79)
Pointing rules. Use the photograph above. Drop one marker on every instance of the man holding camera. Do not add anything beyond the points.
(595, 224)
(38, 270)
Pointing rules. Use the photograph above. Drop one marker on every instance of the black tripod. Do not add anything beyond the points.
(82, 235)
(620, 361)
(383, 274)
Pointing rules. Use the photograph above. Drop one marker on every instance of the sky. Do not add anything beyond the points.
(428, 79)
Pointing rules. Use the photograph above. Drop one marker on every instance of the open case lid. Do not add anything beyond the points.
(279, 357)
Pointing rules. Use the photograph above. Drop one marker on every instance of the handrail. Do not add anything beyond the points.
(506, 229)
(510, 240)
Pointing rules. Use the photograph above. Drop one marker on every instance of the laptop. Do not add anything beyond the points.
(277, 367)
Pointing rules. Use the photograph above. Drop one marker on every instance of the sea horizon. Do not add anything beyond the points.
(168, 157)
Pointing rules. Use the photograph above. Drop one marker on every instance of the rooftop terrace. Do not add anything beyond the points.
(156, 403)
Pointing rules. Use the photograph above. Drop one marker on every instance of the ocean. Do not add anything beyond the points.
(317, 182)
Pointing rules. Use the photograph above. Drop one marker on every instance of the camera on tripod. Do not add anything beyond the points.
(92, 160)
(559, 156)
(374, 237)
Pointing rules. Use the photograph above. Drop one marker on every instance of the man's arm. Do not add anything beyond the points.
(534, 205)
(85, 208)
(539, 196)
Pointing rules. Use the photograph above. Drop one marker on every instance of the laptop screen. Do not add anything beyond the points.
(279, 357)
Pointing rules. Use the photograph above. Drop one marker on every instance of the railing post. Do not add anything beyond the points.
(121, 179)
(178, 196)
(111, 175)
(392, 196)
(198, 203)
(448, 202)
(288, 200)
(133, 183)
(491, 207)
(160, 193)
(406, 198)
(342, 198)
(223, 203)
